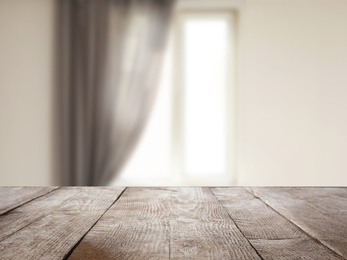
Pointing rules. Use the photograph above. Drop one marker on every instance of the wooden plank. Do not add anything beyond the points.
(50, 226)
(165, 223)
(320, 212)
(293, 249)
(202, 229)
(255, 219)
(135, 227)
(272, 235)
(12, 197)
(326, 200)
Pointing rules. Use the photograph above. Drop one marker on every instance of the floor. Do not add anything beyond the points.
(173, 223)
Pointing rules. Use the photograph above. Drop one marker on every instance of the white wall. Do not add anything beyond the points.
(26, 30)
(292, 93)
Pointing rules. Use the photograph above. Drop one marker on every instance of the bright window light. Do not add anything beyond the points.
(187, 138)
(205, 52)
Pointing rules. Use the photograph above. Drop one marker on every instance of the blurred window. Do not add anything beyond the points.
(189, 137)
(205, 49)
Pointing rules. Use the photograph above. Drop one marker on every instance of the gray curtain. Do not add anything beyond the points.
(109, 55)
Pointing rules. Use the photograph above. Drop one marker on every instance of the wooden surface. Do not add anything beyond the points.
(173, 223)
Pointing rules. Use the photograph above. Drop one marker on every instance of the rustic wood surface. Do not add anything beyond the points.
(12, 197)
(321, 213)
(173, 223)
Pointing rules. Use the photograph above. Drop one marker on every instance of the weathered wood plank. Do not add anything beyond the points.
(165, 223)
(50, 226)
(254, 218)
(293, 249)
(177, 223)
(202, 229)
(320, 212)
(12, 197)
(135, 227)
(272, 235)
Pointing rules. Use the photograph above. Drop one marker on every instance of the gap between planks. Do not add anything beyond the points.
(235, 223)
(169, 232)
(79, 241)
(30, 200)
(34, 220)
(194, 215)
(311, 236)
(211, 190)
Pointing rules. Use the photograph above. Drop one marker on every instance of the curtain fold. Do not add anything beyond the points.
(109, 55)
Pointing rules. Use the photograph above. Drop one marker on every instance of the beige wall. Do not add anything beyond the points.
(291, 97)
(292, 93)
(25, 91)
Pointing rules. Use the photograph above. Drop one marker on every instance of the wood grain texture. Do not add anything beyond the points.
(173, 223)
(292, 249)
(50, 226)
(165, 223)
(12, 197)
(135, 227)
(202, 229)
(272, 235)
(320, 212)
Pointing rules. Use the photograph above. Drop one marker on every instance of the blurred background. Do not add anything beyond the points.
(249, 92)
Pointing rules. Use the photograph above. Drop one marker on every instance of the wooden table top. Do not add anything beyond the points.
(173, 223)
